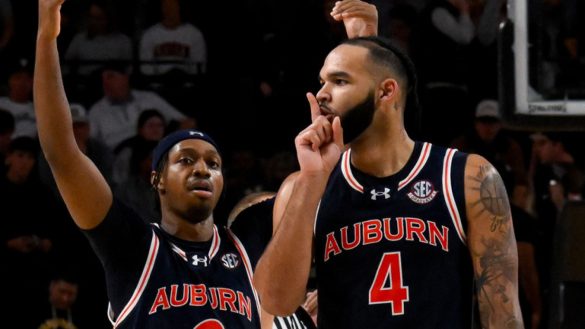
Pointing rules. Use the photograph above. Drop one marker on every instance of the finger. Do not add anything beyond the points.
(323, 128)
(338, 133)
(357, 12)
(341, 6)
(310, 138)
(311, 307)
(311, 297)
(311, 303)
(315, 141)
(314, 104)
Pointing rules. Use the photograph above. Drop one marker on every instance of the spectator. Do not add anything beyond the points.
(442, 55)
(97, 151)
(172, 39)
(114, 117)
(58, 312)
(525, 230)
(19, 99)
(552, 166)
(151, 128)
(402, 22)
(483, 56)
(488, 139)
(6, 131)
(26, 239)
(98, 42)
(135, 189)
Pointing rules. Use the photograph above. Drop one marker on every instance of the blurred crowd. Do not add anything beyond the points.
(136, 70)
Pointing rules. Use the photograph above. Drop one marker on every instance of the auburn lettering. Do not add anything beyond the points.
(390, 229)
(198, 295)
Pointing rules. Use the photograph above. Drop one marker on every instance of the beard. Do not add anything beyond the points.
(358, 119)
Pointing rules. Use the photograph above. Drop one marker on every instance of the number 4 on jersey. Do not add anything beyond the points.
(388, 286)
(209, 324)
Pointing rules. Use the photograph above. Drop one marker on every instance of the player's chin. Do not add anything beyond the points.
(198, 213)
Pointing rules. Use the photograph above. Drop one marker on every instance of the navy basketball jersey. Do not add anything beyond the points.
(193, 286)
(391, 252)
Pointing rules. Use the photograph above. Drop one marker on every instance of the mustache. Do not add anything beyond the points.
(325, 109)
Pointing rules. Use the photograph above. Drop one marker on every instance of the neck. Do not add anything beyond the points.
(188, 231)
(171, 23)
(382, 154)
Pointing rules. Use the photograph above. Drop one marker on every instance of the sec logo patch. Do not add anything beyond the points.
(422, 192)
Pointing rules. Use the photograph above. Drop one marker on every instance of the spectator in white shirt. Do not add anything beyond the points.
(172, 39)
(114, 117)
(19, 100)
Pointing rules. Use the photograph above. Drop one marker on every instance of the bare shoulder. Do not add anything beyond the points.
(485, 193)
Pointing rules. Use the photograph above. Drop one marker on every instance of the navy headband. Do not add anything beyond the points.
(172, 139)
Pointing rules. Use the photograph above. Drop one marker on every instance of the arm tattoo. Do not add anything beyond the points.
(493, 197)
(498, 269)
(495, 252)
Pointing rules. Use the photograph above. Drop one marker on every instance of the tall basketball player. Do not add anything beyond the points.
(405, 234)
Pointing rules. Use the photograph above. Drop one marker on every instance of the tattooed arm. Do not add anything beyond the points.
(492, 246)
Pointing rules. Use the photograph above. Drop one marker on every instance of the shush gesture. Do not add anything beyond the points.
(319, 146)
(360, 18)
(49, 18)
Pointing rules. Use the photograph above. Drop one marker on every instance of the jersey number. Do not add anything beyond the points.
(388, 286)
(209, 324)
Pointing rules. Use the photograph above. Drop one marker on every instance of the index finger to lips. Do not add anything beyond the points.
(314, 104)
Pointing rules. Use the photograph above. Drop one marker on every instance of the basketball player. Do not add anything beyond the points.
(402, 232)
(185, 273)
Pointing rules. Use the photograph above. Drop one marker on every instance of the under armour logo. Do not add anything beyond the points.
(197, 260)
(376, 194)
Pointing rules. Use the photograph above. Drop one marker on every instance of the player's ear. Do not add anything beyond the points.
(388, 89)
(156, 181)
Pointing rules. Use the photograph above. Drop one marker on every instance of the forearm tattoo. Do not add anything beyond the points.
(496, 274)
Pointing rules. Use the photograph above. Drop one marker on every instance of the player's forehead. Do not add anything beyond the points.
(351, 59)
(196, 146)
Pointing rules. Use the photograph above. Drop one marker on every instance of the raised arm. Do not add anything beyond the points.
(360, 18)
(85, 191)
(283, 270)
(492, 245)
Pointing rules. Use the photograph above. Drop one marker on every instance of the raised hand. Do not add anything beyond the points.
(319, 146)
(360, 18)
(49, 18)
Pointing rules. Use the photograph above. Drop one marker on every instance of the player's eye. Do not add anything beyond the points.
(185, 160)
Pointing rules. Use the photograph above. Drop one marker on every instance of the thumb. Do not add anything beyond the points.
(338, 133)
